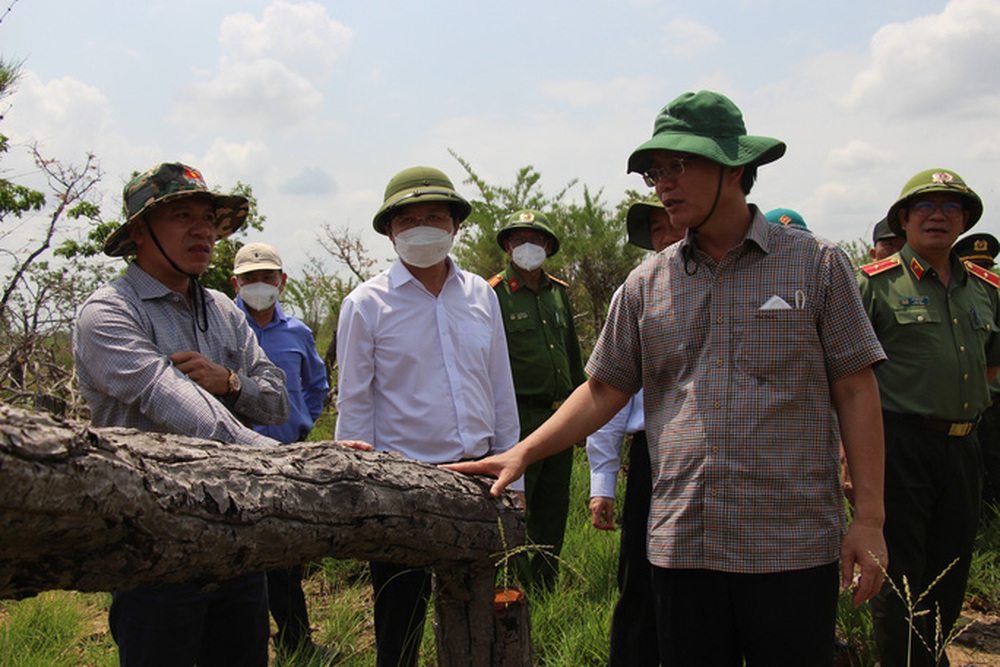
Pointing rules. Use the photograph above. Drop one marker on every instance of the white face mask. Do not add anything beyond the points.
(423, 246)
(259, 296)
(528, 256)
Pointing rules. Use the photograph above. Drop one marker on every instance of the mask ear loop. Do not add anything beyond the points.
(195, 291)
(688, 250)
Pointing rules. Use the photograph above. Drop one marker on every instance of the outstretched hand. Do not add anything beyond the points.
(506, 467)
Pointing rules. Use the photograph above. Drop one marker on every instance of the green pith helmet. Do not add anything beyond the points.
(935, 180)
(637, 223)
(417, 185)
(167, 182)
(528, 219)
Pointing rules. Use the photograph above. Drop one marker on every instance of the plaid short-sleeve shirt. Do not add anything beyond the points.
(736, 362)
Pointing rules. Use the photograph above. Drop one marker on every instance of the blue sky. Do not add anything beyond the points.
(317, 104)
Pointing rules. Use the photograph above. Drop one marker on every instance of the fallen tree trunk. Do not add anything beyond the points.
(94, 509)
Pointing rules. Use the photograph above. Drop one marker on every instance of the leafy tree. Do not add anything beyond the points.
(593, 257)
(857, 252)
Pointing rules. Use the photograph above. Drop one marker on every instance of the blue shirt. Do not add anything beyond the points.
(290, 345)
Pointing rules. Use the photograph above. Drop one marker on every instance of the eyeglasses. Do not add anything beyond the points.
(431, 219)
(674, 168)
(924, 209)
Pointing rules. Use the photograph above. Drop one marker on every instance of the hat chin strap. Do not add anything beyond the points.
(195, 290)
(687, 251)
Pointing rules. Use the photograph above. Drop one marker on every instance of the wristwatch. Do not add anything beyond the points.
(234, 385)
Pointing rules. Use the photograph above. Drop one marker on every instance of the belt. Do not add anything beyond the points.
(540, 403)
(951, 429)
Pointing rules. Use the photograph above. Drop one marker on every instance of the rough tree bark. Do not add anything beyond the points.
(94, 509)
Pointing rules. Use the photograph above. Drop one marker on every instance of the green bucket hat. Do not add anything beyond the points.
(706, 124)
(167, 182)
(935, 180)
(416, 185)
(528, 219)
(637, 223)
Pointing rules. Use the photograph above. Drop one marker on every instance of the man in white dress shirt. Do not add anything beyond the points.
(424, 371)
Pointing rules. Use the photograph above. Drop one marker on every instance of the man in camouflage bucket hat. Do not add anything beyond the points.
(720, 329)
(937, 321)
(156, 352)
(424, 371)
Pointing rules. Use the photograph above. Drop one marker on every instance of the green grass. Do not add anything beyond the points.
(569, 625)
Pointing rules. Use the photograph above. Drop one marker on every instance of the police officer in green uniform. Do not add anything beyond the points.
(936, 319)
(546, 364)
(982, 249)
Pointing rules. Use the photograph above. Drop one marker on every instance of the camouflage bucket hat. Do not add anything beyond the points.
(706, 124)
(935, 180)
(416, 185)
(637, 223)
(167, 182)
(528, 219)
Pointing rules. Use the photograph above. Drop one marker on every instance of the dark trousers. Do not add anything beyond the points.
(546, 493)
(633, 623)
(933, 486)
(401, 594)
(287, 603)
(181, 625)
(988, 434)
(784, 619)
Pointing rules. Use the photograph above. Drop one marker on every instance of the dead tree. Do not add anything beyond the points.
(94, 509)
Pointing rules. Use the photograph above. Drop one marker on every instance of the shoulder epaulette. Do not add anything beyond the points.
(983, 274)
(881, 266)
(495, 280)
(556, 280)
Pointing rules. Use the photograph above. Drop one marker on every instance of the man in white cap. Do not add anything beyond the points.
(258, 279)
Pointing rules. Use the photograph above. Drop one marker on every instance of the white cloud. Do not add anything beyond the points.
(310, 181)
(271, 74)
(858, 155)
(261, 95)
(688, 38)
(302, 36)
(939, 64)
(227, 162)
(619, 91)
(64, 115)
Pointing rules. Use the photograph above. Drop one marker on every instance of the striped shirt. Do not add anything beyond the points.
(736, 362)
(124, 335)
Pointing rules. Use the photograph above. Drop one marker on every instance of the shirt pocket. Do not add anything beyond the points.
(475, 339)
(516, 323)
(913, 322)
(775, 341)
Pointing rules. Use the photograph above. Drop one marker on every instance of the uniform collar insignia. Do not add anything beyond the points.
(514, 284)
(917, 268)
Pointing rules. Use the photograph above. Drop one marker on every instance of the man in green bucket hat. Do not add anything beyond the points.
(755, 357)
(157, 352)
(424, 372)
(937, 319)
